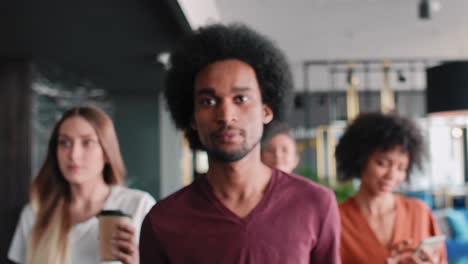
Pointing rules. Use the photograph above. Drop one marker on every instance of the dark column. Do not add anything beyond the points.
(15, 147)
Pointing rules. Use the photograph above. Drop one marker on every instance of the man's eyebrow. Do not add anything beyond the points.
(240, 89)
(205, 91)
(211, 91)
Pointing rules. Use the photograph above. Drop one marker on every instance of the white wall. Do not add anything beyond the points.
(200, 12)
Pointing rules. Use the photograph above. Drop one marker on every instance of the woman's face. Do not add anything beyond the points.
(280, 152)
(79, 152)
(385, 170)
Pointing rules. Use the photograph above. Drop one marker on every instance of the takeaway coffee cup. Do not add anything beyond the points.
(108, 225)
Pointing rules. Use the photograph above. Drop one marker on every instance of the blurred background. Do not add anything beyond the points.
(347, 57)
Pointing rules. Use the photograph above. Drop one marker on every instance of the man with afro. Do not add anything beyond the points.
(224, 85)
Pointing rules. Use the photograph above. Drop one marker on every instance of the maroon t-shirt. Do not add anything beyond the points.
(296, 222)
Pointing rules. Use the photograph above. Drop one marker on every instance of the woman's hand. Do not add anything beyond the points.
(426, 255)
(400, 251)
(404, 253)
(124, 244)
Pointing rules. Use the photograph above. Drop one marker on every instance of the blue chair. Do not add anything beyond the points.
(425, 196)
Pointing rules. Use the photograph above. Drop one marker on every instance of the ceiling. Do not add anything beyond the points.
(354, 30)
(111, 43)
(339, 29)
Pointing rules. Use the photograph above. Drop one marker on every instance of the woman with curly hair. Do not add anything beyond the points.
(379, 226)
(83, 174)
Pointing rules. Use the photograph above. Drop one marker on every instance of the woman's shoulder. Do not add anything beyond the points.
(129, 192)
(348, 206)
(412, 204)
(347, 203)
(27, 212)
(125, 195)
(134, 202)
(27, 217)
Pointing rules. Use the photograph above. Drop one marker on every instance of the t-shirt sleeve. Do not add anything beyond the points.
(328, 240)
(147, 203)
(19, 244)
(151, 250)
(144, 206)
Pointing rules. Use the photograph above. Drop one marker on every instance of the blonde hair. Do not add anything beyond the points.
(50, 195)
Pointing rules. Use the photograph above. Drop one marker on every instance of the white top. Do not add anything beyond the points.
(84, 244)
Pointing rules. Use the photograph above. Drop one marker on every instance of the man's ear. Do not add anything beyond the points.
(267, 114)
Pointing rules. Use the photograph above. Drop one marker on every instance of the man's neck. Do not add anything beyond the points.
(238, 180)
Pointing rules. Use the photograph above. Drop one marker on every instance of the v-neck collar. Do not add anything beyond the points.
(208, 189)
(366, 225)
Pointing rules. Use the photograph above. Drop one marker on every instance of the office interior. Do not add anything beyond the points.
(347, 57)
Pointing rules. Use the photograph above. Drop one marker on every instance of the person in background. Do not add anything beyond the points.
(83, 174)
(226, 82)
(279, 148)
(379, 226)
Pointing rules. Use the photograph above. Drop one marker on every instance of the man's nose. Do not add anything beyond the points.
(226, 113)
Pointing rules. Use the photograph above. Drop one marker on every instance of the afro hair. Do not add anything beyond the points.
(220, 42)
(372, 132)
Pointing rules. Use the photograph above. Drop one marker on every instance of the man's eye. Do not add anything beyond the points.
(241, 98)
(207, 101)
(381, 162)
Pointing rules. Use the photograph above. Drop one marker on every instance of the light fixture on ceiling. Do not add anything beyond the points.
(401, 77)
(424, 9)
(427, 7)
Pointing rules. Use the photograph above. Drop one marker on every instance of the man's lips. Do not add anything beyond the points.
(227, 135)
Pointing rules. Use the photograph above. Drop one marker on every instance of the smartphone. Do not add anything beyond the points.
(430, 243)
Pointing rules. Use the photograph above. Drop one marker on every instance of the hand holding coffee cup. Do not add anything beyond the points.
(117, 237)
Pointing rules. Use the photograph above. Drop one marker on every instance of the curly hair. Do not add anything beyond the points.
(375, 131)
(216, 43)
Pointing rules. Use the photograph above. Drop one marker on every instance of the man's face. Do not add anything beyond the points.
(228, 110)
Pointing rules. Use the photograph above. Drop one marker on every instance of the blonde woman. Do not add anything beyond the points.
(83, 174)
